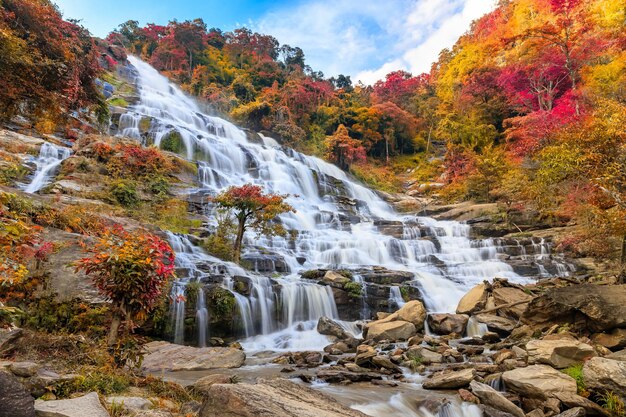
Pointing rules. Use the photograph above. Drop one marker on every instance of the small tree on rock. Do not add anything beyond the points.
(131, 270)
(253, 210)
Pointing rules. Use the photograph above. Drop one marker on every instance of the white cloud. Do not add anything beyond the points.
(369, 38)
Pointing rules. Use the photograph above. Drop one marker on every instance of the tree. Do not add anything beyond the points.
(131, 270)
(252, 209)
(344, 150)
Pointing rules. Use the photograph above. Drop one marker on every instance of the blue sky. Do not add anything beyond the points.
(362, 38)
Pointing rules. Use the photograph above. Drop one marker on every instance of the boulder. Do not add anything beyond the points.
(203, 384)
(384, 362)
(573, 412)
(87, 405)
(413, 312)
(364, 353)
(394, 330)
(449, 379)
(351, 373)
(473, 301)
(275, 398)
(7, 337)
(15, 400)
(558, 353)
(596, 308)
(493, 398)
(497, 324)
(616, 339)
(442, 324)
(24, 369)
(601, 374)
(130, 404)
(168, 357)
(335, 279)
(511, 295)
(538, 381)
(329, 327)
(574, 401)
(618, 356)
(425, 356)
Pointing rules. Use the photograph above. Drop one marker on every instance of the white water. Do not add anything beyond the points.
(49, 159)
(395, 297)
(445, 261)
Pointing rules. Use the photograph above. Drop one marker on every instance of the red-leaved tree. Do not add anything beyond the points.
(130, 270)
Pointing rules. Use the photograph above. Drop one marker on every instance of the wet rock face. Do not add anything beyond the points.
(15, 400)
(276, 398)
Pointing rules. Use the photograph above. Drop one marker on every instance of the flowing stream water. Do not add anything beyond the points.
(336, 225)
(49, 159)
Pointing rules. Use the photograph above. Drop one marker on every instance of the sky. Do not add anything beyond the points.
(365, 39)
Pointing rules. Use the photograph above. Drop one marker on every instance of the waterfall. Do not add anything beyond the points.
(395, 297)
(338, 223)
(49, 159)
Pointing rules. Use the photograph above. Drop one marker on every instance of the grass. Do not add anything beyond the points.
(613, 404)
(576, 372)
(118, 102)
(415, 361)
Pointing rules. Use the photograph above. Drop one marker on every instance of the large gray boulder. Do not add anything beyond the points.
(538, 381)
(271, 398)
(596, 308)
(601, 374)
(15, 400)
(558, 353)
(87, 405)
(493, 398)
(168, 357)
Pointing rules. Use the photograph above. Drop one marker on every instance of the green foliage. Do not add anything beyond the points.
(160, 186)
(48, 315)
(576, 372)
(173, 142)
(613, 404)
(104, 381)
(191, 291)
(415, 361)
(354, 289)
(124, 192)
(118, 102)
(221, 302)
(12, 172)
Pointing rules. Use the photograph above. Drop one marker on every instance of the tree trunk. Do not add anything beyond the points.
(115, 327)
(241, 228)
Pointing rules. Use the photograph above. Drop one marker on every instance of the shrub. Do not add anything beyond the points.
(124, 192)
(613, 404)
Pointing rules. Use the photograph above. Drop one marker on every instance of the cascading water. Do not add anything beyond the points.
(49, 159)
(336, 223)
(395, 297)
